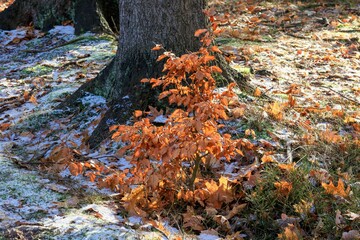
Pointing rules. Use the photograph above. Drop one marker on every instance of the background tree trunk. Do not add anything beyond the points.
(88, 15)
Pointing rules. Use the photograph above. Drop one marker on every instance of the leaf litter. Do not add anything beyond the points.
(294, 54)
(32, 84)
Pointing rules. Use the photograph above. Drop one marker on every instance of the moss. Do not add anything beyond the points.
(243, 70)
(37, 70)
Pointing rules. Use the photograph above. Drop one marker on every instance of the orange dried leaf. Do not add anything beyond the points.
(290, 233)
(257, 92)
(26, 95)
(145, 80)
(133, 200)
(199, 32)
(192, 220)
(74, 169)
(287, 167)
(92, 176)
(339, 190)
(138, 113)
(236, 210)
(157, 47)
(215, 49)
(267, 159)
(215, 69)
(33, 100)
(276, 110)
(283, 188)
(330, 136)
(4, 126)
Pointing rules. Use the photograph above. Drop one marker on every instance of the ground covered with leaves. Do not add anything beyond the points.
(294, 175)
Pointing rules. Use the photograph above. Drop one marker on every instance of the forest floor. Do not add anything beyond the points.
(304, 56)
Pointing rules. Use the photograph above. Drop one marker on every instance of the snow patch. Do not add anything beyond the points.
(7, 37)
(93, 100)
(160, 119)
(63, 30)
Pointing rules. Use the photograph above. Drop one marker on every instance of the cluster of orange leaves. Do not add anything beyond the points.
(189, 137)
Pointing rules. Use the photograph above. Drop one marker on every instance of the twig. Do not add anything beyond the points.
(342, 95)
(349, 30)
(296, 36)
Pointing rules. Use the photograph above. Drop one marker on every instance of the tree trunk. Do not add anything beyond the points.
(143, 24)
(88, 15)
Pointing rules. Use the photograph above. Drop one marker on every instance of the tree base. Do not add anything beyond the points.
(122, 107)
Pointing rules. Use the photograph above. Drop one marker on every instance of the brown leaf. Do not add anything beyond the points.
(236, 210)
(287, 167)
(290, 233)
(267, 159)
(33, 100)
(138, 113)
(283, 188)
(223, 222)
(133, 200)
(339, 190)
(157, 47)
(26, 95)
(4, 126)
(93, 212)
(219, 193)
(276, 110)
(192, 221)
(75, 168)
(257, 92)
(199, 32)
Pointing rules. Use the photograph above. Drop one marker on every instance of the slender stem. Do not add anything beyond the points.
(196, 168)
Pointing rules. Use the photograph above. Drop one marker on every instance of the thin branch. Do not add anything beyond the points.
(342, 95)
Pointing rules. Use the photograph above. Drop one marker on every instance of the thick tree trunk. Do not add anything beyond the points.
(88, 15)
(143, 24)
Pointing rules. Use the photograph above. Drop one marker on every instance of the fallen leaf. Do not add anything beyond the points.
(199, 32)
(352, 216)
(267, 159)
(33, 100)
(339, 190)
(235, 210)
(133, 200)
(338, 218)
(290, 233)
(351, 235)
(192, 220)
(223, 222)
(4, 126)
(283, 188)
(287, 167)
(257, 92)
(138, 113)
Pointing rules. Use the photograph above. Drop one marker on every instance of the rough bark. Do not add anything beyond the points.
(143, 24)
(88, 15)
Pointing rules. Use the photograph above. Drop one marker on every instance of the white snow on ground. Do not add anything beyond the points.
(7, 37)
(38, 201)
(68, 32)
